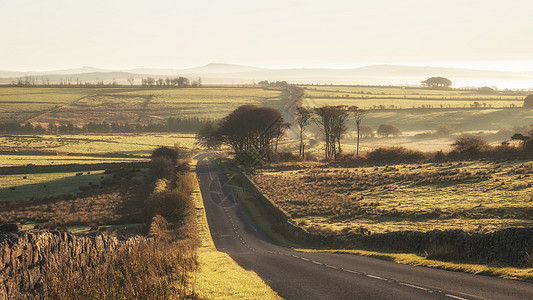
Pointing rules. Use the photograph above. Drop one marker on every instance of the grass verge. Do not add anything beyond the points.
(220, 277)
(524, 274)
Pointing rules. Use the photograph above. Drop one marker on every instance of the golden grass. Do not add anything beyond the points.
(220, 277)
(477, 196)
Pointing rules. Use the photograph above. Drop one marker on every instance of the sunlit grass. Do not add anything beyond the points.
(83, 149)
(476, 196)
(131, 105)
(525, 274)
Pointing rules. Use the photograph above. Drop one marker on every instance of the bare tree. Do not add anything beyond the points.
(150, 81)
(332, 121)
(303, 116)
(359, 115)
(182, 81)
(131, 80)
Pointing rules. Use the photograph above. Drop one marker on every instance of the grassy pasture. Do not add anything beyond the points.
(68, 200)
(72, 149)
(476, 196)
(21, 160)
(127, 104)
(20, 187)
(369, 103)
(21, 104)
(404, 92)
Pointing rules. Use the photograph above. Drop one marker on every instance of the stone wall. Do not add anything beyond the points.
(26, 257)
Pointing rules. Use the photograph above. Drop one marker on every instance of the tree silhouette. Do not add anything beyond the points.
(385, 130)
(303, 116)
(359, 115)
(437, 82)
(331, 120)
(251, 127)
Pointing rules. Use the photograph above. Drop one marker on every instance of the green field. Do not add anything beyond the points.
(404, 98)
(417, 109)
(21, 187)
(476, 196)
(127, 104)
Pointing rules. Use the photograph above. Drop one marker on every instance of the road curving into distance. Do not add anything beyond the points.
(297, 275)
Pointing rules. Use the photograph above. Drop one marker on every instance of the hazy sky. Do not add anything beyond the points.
(120, 34)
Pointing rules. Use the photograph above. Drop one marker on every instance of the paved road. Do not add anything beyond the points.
(296, 275)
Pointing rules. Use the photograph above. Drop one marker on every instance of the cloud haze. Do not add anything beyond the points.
(126, 34)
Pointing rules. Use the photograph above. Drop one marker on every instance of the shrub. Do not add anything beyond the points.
(385, 130)
(440, 155)
(470, 145)
(162, 167)
(171, 204)
(366, 131)
(444, 130)
(394, 153)
(185, 183)
(171, 154)
(287, 157)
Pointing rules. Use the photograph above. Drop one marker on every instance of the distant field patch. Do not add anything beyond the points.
(20, 160)
(19, 187)
(73, 149)
(127, 104)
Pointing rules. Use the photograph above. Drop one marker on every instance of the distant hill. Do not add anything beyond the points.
(229, 73)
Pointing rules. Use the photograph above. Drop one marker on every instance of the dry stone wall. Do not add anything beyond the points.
(27, 257)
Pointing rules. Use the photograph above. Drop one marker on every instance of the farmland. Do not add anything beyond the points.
(43, 105)
(405, 97)
(476, 196)
(417, 110)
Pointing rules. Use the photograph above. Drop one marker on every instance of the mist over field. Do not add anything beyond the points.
(221, 73)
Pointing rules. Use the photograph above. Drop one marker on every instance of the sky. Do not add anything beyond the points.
(123, 34)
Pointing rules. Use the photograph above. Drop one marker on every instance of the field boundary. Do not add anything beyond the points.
(31, 169)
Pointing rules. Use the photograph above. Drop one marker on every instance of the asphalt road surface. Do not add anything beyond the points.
(296, 275)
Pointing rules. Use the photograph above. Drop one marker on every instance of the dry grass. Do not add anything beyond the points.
(476, 196)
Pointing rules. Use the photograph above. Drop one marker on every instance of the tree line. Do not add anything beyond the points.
(180, 81)
(258, 129)
(171, 124)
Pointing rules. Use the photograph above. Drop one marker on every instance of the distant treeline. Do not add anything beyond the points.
(172, 124)
(180, 81)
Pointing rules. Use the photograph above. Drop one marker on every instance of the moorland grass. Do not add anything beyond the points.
(258, 214)
(476, 196)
